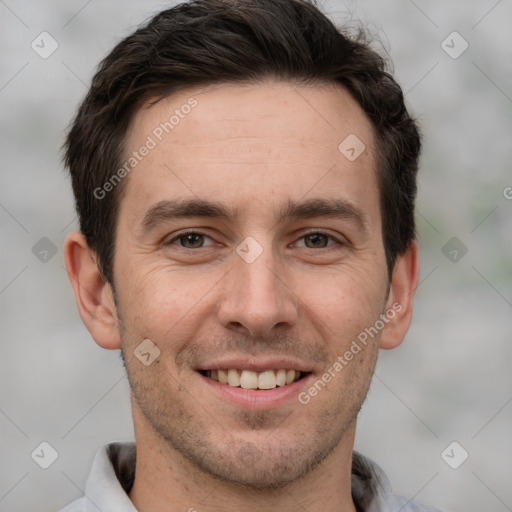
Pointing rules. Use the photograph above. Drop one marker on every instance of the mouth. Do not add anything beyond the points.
(255, 380)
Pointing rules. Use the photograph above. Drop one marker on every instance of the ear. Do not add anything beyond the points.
(93, 295)
(404, 282)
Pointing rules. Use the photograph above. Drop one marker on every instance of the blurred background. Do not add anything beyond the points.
(438, 417)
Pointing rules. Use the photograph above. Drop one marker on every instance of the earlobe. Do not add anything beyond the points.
(93, 295)
(399, 305)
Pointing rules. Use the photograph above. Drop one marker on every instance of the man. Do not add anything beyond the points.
(245, 177)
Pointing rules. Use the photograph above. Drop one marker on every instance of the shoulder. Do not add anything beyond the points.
(372, 491)
(76, 506)
(403, 504)
(109, 481)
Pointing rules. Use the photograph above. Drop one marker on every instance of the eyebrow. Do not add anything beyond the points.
(312, 208)
(184, 208)
(329, 208)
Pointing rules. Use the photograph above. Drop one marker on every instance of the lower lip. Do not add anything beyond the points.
(254, 399)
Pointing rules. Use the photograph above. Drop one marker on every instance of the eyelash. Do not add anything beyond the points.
(304, 235)
(322, 233)
(185, 233)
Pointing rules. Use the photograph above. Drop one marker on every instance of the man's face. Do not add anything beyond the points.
(281, 270)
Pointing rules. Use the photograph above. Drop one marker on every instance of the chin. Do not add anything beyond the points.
(267, 462)
(268, 471)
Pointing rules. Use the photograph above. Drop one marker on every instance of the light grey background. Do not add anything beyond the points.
(449, 381)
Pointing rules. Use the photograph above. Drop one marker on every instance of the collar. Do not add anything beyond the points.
(113, 473)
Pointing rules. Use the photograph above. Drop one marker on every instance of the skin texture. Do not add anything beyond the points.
(252, 149)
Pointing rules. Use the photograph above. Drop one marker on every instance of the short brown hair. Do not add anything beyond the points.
(204, 42)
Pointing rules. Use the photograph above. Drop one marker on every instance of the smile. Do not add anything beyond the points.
(249, 379)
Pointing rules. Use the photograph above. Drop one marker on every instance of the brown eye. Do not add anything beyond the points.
(191, 240)
(316, 240)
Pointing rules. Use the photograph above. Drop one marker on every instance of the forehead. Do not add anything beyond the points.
(262, 142)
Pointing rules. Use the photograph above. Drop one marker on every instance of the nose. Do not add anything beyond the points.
(257, 299)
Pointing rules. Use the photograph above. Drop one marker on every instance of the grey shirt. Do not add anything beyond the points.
(113, 472)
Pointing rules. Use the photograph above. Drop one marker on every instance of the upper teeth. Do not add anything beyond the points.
(247, 379)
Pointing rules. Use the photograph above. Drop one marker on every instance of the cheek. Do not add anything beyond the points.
(341, 305)
(159, 301)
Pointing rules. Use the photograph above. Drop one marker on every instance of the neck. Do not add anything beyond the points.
(166, 481)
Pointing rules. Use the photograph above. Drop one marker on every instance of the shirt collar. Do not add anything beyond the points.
(113, 472)
(108, 483)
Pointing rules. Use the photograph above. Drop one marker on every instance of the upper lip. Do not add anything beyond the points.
(256, 364)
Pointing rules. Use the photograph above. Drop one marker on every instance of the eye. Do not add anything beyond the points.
(316, 240)
(192, 240)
